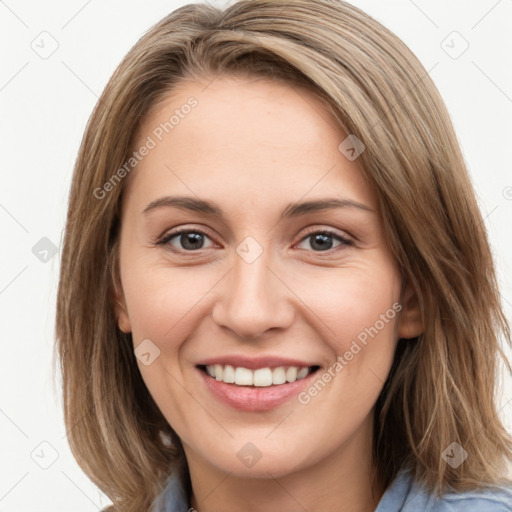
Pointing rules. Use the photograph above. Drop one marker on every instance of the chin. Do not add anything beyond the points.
(263, 458)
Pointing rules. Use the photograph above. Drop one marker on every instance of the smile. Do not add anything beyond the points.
(256, 389)
(260, 377)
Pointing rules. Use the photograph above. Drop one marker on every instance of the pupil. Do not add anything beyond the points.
(191, 241)
(323, 242)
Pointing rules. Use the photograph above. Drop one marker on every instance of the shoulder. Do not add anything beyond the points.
(496, 499)
(405, 495)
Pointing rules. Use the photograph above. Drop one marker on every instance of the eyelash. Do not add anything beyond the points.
(344, 241)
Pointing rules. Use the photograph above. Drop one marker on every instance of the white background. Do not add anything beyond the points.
(45, 105)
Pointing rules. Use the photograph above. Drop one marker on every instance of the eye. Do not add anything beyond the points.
(188, 240)
(191, 240)
(321, 241)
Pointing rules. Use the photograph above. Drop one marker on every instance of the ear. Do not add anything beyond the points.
(123, 320)
(120, 309)
(410, 323)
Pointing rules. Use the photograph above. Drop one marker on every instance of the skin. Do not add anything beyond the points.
(253, 147)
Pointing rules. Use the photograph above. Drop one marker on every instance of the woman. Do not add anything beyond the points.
(276, 289)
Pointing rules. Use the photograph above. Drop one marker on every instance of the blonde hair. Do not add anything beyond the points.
(441, 388)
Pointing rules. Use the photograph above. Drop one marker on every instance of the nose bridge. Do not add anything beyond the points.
(253, 299)
(251, 281)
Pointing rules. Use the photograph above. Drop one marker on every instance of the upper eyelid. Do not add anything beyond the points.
(330, 231)
(180, 231)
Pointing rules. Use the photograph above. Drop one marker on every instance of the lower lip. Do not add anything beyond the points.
(253, 399)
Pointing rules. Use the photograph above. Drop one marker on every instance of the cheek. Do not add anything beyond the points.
(164, 306)
(358, 309)
(161, 301)
(351, 301)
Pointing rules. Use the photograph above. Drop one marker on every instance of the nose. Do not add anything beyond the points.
(253, 299)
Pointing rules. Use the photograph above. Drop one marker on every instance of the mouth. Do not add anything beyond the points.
(259, 377)
(255, 389)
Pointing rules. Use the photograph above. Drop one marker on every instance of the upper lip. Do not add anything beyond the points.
(253, 363)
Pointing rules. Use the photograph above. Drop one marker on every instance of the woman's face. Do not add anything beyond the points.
(284, 269)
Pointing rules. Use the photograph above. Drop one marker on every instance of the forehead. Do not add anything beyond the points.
(245, 136)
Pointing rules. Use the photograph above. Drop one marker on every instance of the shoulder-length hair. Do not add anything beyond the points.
(441, 388)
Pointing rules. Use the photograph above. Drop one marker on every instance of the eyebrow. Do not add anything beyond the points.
(292, 210)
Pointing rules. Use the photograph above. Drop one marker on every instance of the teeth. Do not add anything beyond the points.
(218, 371)
(302, 373)
(278, 376)
(291, 374)
(229, 374)
(262, 377)
(243, 377)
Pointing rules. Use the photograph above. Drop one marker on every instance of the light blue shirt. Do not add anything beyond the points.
(403, 495)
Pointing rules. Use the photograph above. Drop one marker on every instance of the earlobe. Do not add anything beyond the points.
(120, 309)
(410, 324)
(123, 320)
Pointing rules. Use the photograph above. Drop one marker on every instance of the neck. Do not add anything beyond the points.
(342, 481)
